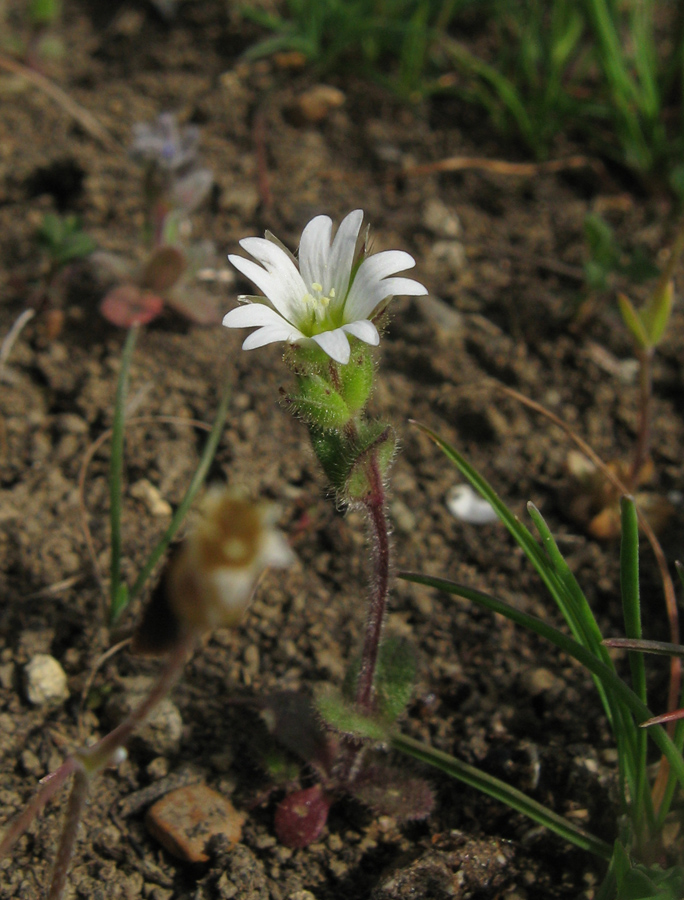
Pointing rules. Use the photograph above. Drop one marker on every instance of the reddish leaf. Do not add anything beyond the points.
(301, 817)
(127, 304)
(163, 269)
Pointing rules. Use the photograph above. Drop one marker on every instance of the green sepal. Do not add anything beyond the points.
(356, 378)
(375, 439)
(331, 451)
(319, 404)
(394, 677)
(342, 716)
(307, 359)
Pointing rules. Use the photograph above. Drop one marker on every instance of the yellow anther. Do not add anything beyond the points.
(317, 287)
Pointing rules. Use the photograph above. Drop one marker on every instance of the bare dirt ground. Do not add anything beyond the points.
(502, 257)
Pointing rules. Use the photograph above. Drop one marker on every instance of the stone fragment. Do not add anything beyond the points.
(162, 730)
(315, 104)
(186, 819)
(45, 681)
(151, 497)
(442, 221)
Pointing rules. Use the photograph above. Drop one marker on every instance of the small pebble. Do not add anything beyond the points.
(464, 504)
(315, 104)
(438, 218)
(150, 496)
(186, 819)
(45, 681)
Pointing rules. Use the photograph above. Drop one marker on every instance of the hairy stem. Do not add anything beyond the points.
(375, 507)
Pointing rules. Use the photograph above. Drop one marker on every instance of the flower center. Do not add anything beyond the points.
(317, 304)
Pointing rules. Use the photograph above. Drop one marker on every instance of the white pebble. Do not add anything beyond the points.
(464, 504)
(46, 681)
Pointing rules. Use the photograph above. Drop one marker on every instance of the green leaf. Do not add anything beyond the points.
(656, 313)
(394, 677)
(634, 322)
(342, 716)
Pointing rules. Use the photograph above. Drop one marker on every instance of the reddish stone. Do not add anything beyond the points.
(184, 820)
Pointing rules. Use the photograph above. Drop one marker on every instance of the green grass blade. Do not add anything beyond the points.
(573, 648)
(499, 790)
(116, 473)
(631, 608)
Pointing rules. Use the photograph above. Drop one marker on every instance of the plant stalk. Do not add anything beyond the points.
(375, 507)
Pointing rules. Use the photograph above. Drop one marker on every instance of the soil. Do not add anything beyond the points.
(502, 256)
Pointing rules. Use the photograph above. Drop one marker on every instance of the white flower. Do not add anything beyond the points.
(327, 297)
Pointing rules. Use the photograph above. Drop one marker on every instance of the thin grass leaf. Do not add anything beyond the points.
(631, 608)
(196, 483)
(499, 790)
(567, 645)
(116, 474)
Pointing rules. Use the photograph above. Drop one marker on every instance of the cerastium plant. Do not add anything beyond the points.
(329, 306)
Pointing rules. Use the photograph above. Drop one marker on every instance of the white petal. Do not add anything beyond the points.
(369, 287)
(286, 287)
(253, 314)
(268, 284)
(314, 251)
(364, 331)
(342, 254)
(271, 334)
(363, 304)
(335, 344)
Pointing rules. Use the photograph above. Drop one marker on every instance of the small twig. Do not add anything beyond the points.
(85, 119)
(502, 167)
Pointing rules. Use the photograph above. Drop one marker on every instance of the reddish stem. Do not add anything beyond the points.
(375, 506)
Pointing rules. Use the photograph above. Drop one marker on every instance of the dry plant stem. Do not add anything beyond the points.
(502, 167)
(85, 119)
(98, 756)
(668, 587)
(67, 841)
(11, 337)
(48, 788)
(87, 763)
(375, 507)
(643, 440)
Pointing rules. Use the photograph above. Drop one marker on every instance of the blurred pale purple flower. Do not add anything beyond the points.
(174, 152)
